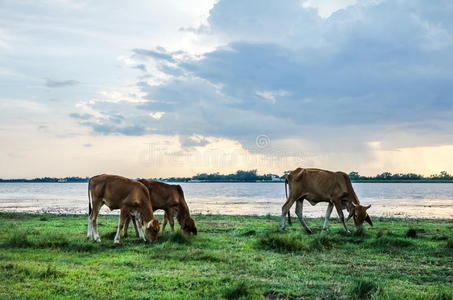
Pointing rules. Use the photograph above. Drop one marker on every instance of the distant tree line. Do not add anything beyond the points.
(49, 179)
(240, 175)
(252, 176)
(400, 177)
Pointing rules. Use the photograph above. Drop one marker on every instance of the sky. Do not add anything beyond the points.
(175, 88)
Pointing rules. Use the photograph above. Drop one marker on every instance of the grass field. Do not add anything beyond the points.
(45, 256)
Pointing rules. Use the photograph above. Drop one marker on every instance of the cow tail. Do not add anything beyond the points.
(89, 197)
(286, 188)
(286, 193)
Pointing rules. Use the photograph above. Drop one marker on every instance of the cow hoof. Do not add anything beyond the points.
(308, 231)
(97, 240)
(116, 242)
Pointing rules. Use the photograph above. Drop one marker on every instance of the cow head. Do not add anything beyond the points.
(359, 214)
(152, 229)
(189, 226)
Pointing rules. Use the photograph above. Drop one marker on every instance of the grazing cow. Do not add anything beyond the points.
(170, 198)
(130, 196)
(315, 185)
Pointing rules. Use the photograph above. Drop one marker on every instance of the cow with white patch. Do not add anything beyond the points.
(131, 197)
(315, 186)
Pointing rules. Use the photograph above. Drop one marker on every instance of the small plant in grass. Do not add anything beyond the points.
(179, 237)
(248, 233)
(50, 272)
(411, 233)
(380, 233)
(281, 242)
(359, 232)
(388, 242)
(443, 296)
(241, 291)
(363, 289)
(322, 242)
(450, 244)
(19, 239)
(332, 293)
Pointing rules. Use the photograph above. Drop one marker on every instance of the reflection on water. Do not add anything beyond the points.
(425, 200)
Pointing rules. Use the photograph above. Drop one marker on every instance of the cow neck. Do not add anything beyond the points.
(183, 214)
(147, 213)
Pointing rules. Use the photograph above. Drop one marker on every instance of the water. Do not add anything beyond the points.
(422, 200)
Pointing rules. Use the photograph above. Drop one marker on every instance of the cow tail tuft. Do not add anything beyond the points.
(286, 188)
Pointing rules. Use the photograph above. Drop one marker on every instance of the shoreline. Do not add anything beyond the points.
(177, 182)
(202, 215)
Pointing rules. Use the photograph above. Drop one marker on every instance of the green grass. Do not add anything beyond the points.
(233, 257)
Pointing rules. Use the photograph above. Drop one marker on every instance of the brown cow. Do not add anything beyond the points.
(130, 196)
(315, 185)
(170, 198)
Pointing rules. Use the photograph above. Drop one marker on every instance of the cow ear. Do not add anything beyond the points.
(366, 207)
(368, 219)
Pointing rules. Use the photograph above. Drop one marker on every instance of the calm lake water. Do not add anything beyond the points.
(424, 200)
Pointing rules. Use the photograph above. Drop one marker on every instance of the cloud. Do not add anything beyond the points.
(80, 116)
(56, 84)
(106, 129)
(286, 72)
(158, 54)
(193, 141)
(140, 67)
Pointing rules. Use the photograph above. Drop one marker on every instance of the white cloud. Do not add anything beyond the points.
(157, 115)
(272, 95)
(326, 8)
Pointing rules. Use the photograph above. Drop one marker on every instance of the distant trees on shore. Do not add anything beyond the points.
(387, 176)
(49, 179)
(252, 176)
(240, 175)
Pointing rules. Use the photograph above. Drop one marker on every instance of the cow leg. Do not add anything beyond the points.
(89, 229)
(171, 219)
(326, 220)
(126, 226)
(139, 232)
(97, 204)
(299, 210)
(165, 221)
(339, 208)
(172, 223)
(121, 222)
(135, 226)
(285, 210)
